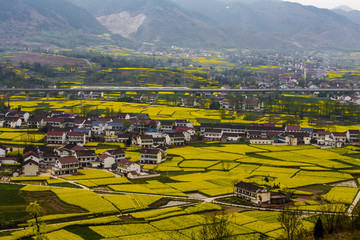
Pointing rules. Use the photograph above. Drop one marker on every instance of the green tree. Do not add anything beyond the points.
(319, 229)
(34, 209)
(126, 124)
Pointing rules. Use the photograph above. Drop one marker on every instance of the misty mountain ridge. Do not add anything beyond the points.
(344, 8)
(256, 24)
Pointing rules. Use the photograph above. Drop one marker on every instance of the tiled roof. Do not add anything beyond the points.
(67, 160)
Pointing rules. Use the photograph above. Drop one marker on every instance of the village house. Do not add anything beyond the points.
(30, 168)
(183, 123)
(12, 122)
(68, 150)
(252, 193)
(315, 134)
(167, 125)
(56, 137)
(35, 122)
(323, 138)
(353, 136)
(54, 122)
(230, 137)
(213, 134)
(292, 128)
(175, 139)
(339, 137)
(85, 157)
(48, 160)
(150, 156)
(3, 151)
(126, 166)
(8, 160)
(77, 138)
(124, 116)
(30, 155)
(107, 160)
(261, 141)
(65, 165)
(118, 154)
(145, 141)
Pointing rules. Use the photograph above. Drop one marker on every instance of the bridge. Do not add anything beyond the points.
(109, 90)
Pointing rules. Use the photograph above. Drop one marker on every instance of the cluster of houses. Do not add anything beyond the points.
(271, 134)
(68, 133)
(69, 158)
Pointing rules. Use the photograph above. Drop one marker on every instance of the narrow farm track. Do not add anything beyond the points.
(354, 204)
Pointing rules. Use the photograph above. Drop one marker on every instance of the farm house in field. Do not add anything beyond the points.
(252, 193)
(258, 195)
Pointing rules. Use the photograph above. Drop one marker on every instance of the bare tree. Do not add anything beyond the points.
(291, 223)
(215, 227)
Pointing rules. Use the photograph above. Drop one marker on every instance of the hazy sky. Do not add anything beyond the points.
(355, 4)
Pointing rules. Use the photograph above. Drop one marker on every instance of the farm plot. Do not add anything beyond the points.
(90, 174)
(178, 222)
(341, 195)
(116, 231)
(131, 202)
(299, 156)
(142, 188)
(62, 234)
(197, 153)
(192, 186)
(242, 149)
(104, 181)
(224, 166)
(197, 164)
(90, 201)
(267, 162)
(159, 213)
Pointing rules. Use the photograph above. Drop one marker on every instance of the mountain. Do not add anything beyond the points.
(155, 21)
(303, 26)
(344, 8)
(166, 22)
(31, 16)
(54, 21)
(353, 15)
(255, 24)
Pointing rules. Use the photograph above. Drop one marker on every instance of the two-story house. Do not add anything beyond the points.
(213, 134)
(353, 136)
(145, 141)
(118, 154)
(252, 193)
(77, 138)
(85, 157)
(126, 166)
(65, 165)
(150, 156)
(56, 137)
(175, 139)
